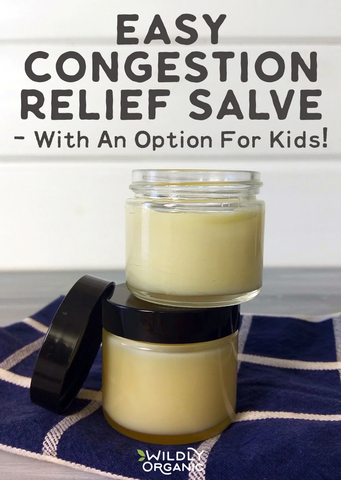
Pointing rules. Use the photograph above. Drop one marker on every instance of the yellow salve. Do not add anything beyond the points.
(169, 393)
(192, 258)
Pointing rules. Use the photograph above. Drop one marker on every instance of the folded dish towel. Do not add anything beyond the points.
(287, 426)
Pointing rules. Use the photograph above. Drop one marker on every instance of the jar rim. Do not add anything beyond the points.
(195, 176)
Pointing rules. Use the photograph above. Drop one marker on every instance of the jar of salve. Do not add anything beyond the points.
(169, 374)
(194, 238)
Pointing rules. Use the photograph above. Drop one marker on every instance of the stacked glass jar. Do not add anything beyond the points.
(194, 250)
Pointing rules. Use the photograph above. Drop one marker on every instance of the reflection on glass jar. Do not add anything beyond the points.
(194, 237)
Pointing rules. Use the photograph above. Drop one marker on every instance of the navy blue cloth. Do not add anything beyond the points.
(288, 422)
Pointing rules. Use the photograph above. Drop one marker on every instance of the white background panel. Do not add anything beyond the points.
(63, 208)
(71, 215)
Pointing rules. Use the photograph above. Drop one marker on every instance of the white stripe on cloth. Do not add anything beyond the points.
(24, 352)
(200, 457)
(284, 363)
(21, 354)
(90, 395)
(337, 337)
(256, 415)
(205, 447)
(15, 379)
(51, 440)
(25, 382)
(36, 325)
(59, 461)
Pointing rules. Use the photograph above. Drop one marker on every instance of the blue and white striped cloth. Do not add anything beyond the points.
(288, 422)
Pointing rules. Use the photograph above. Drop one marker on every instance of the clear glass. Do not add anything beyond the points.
(194, 238)
(169, 394)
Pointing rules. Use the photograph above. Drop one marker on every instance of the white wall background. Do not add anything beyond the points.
(63, 208)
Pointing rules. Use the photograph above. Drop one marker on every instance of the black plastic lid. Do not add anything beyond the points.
(71, 345)
(72, 342)
(129, 317)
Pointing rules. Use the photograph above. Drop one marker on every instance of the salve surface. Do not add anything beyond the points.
(194, 254)
(169, 390)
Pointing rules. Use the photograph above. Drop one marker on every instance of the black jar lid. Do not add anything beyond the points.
(70, 345)
(74, 337)
(129, 317)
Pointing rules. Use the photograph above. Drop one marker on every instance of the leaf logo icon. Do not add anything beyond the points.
(142, 455)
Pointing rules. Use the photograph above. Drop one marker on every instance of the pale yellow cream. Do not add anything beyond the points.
(169, 390)
(194, 254)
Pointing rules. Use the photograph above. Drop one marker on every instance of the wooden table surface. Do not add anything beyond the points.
(289, 291)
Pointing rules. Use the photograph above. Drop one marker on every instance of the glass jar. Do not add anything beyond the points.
(169, 373)
(169, 394)
(194, 238)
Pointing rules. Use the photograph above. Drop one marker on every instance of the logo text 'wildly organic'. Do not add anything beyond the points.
(168, 462)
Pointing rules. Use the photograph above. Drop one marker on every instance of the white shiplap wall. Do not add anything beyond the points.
(63, 208)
